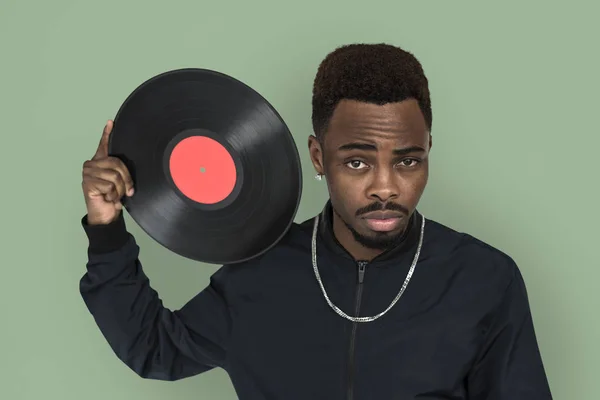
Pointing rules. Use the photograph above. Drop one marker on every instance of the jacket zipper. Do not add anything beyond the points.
(359, 289)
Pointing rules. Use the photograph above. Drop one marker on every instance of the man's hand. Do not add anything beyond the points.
(105, 181)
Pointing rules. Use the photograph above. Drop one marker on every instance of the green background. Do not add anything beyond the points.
(515, 100)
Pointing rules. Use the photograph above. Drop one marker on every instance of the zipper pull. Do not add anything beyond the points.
(361, 271)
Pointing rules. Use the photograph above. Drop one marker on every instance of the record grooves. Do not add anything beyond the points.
(217, 173)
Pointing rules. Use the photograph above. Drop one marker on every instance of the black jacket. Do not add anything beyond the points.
(461, 330)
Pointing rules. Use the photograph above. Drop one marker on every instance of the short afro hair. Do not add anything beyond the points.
(373, 73)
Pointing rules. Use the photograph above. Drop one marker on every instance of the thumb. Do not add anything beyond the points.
(102, 150)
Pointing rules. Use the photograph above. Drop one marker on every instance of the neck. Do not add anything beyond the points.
(346, 239)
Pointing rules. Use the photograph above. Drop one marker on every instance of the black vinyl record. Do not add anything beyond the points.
(216, 171)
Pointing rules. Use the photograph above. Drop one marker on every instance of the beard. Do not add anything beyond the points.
(378, 240)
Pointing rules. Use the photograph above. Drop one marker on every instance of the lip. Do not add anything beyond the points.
(383, 221)
(382, 215)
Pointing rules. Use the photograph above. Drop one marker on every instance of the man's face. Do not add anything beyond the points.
(375, 160)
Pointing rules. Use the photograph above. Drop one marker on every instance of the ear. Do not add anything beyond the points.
(316, 154)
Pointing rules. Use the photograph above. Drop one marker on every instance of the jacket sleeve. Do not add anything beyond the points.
(510, 365)
(153, 341)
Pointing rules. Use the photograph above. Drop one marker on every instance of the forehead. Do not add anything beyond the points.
(401, 122)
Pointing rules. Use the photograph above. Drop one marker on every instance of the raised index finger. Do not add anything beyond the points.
(102, 150)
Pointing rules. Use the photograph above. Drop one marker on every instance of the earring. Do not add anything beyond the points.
(319, 177)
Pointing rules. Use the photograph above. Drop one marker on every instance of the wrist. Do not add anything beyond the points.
(105, 235)
(95, 220)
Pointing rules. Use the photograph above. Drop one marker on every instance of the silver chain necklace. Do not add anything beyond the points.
(333, 306)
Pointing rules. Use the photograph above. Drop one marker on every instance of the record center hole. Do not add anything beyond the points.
(202, 169)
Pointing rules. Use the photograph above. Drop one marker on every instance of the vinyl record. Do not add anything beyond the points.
(216, 171)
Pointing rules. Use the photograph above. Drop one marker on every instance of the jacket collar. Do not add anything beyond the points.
(408, 241)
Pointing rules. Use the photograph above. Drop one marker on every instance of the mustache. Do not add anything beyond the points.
(381, 207)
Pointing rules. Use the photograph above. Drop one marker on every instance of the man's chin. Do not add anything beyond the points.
(378, 240)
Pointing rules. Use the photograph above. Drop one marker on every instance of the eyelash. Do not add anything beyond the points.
(416, 161)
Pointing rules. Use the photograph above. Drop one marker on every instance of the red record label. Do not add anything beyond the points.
(202, 169)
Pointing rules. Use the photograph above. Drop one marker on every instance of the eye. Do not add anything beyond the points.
(356, 164)
(409, 162)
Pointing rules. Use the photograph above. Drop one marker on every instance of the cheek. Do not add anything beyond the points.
(414, 187)
(347, 188)
(346, 193)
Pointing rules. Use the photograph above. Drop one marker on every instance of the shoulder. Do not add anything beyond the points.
(293, 245)
(471, 260)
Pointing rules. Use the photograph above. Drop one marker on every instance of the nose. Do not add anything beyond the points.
(383, 187)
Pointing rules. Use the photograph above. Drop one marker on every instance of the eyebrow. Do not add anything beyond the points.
(370, 147)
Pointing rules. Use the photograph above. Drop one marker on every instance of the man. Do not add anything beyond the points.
(392, 306)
